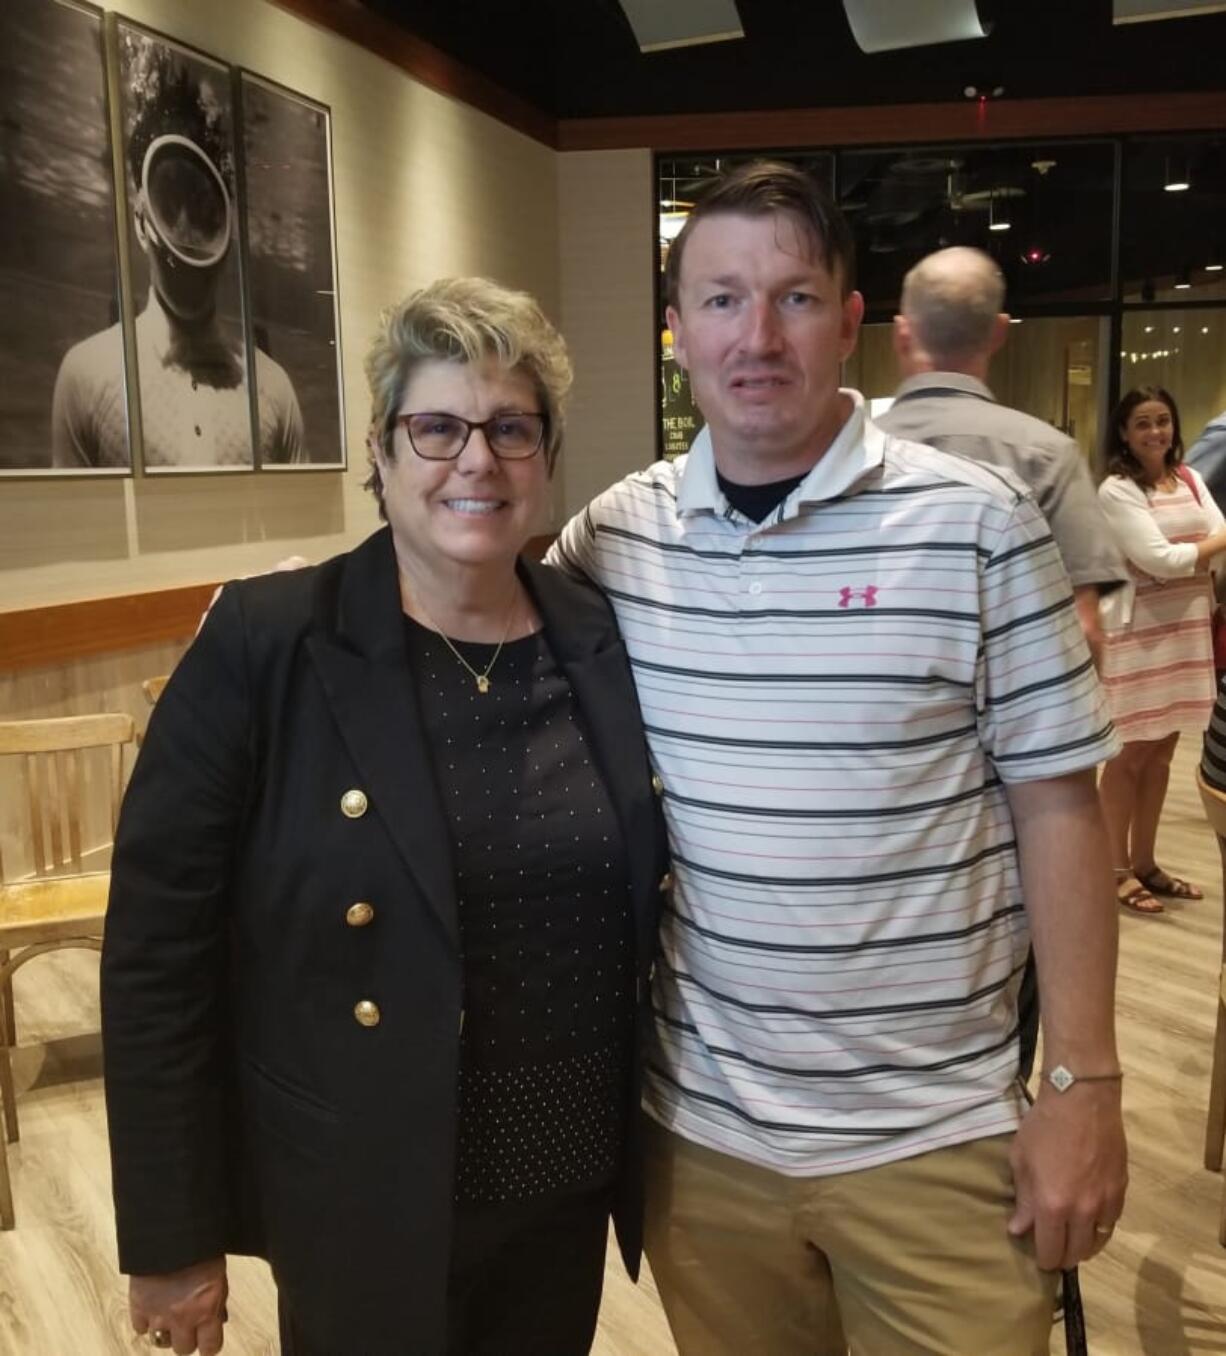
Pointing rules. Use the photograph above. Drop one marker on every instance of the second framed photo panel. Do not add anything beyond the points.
(178, 143)
(291, 274)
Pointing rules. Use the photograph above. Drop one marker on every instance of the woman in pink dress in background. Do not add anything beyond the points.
(1158, 657)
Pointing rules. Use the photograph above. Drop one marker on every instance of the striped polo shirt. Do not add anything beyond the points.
(835, 700)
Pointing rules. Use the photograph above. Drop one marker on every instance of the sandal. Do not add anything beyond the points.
(1139, 899)
(1159, 882)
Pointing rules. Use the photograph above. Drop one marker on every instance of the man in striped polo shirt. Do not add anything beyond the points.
(876, 722)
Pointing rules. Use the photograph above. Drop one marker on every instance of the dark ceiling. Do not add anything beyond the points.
(579, 58)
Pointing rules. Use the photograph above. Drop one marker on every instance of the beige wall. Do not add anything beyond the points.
(424, 186)
(605, 208)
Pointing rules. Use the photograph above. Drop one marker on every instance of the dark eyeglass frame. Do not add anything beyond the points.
(469, 425)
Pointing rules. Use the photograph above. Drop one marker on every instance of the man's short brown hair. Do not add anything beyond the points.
(761, 188)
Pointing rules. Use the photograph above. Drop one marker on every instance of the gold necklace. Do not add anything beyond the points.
(481, 679)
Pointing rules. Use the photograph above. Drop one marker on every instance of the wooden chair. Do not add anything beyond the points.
(1214, 802)
(59, 905)
(152, 687)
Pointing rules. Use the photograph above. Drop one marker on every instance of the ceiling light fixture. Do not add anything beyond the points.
(1184, 281)
(998, 215)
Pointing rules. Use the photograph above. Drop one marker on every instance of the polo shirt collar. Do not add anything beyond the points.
(857, 449)
(944, 381)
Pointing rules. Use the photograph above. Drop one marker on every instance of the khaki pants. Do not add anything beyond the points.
(909, 1258)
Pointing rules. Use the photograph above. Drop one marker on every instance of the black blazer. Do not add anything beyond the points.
(249, 1110)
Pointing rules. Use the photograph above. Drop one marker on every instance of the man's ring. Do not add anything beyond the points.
(160, 1337)
(1103, 1230)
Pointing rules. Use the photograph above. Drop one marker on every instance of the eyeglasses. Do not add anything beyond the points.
(442, 437)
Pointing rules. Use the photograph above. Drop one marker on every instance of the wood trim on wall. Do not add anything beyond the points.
(38, 637)
(425, 63)
(885, 124)
(35, 637)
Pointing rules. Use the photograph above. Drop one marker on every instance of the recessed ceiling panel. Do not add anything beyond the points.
(682, 23)
(1140, 11)
(885, 25)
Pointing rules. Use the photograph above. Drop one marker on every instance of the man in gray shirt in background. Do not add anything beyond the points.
(950, 326)
(951, 323)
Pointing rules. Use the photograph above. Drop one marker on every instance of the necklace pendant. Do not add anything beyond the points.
(483, 683)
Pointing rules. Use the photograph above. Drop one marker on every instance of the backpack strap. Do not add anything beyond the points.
(1189, 480)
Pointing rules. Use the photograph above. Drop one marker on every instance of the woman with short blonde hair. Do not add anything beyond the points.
(385, 894)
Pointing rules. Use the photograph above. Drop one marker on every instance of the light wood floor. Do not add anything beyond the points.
(1159, 1289)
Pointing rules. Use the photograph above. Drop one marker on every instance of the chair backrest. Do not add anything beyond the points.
(1214, 802)
(50, 756)
(152, 687)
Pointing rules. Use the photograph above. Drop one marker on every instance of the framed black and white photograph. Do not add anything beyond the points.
(182, 215)
(291, 272)
(64, 409)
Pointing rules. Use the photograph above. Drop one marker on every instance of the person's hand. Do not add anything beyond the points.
(189, 1304)
(1070, 1170)
(289, 563)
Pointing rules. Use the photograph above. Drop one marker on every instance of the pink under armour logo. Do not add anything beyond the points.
(868, 593)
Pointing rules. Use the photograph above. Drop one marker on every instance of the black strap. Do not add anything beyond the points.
(1074, 1314)
(1070, 1306)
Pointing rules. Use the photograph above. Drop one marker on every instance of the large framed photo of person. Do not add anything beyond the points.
(182, 212)
(291, 271)
(60, 413)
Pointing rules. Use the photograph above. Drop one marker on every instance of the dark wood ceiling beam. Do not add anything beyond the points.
(886, 124)
(425, 63)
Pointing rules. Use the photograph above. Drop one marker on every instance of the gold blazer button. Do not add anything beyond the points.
(358, 915)
(666, 881)
(657, 783)
(367, 1013)
(354, 803)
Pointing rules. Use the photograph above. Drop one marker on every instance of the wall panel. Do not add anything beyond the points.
(605, 208)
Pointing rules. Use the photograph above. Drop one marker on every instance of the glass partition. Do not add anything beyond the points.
(1183, 351)
(1043, 212)
(1099, 244)
(1173, 220)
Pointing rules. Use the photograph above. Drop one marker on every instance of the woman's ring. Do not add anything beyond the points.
(160, 1337)
(1103, 1230)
